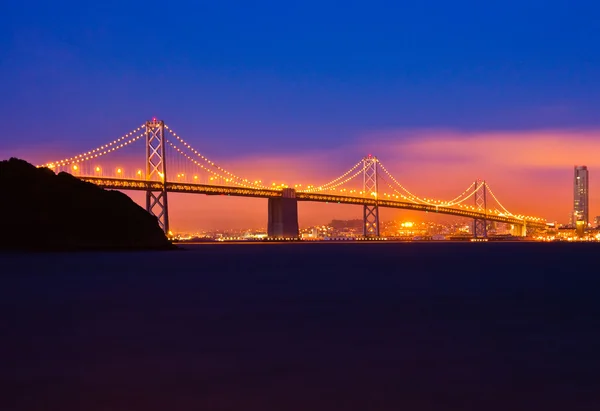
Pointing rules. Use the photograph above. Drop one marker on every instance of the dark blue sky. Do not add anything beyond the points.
(249, 77)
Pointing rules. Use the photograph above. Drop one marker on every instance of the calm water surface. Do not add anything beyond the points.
(426, 326)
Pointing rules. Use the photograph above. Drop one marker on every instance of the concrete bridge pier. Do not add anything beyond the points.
(519, 230)
(283, 215)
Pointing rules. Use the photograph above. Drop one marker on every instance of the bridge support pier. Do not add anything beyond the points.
(283, 215)
(519, 230)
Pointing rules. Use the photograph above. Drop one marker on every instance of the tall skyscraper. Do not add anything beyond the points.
(581, 195)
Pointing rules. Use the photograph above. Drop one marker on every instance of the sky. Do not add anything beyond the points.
(442, 92)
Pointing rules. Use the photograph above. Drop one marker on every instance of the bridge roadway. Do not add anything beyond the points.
(192, 188)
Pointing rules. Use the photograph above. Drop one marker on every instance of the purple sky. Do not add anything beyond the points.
(256, 81)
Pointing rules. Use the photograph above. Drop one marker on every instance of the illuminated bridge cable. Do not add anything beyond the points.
(211, 163)
(497, 201)
(104, 149)
(462, 194)
(84, 159)
(332, 187)
(182, 154)
(441, 204)
(208, 169)
(466, 208)
(402, 196)
(337, 184)
(197, 163)
(92, 155)
(518, 217)
(471, 194)
(334, 181)
(445, 204)
(412, 196)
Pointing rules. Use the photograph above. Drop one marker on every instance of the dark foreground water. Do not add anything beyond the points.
(428, 326)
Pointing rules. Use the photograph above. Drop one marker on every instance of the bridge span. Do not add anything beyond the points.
(360, 185)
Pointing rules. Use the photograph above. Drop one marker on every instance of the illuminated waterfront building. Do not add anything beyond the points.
(581, 195)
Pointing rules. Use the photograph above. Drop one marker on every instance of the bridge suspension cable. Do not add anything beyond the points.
(440, 204)
(86, 157)
(99, 151)
(412, 197)
(337, 181)
(208, 169)
(398, 192)
(242, 181)
(497, 201)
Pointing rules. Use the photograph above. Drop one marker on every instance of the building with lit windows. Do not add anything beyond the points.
(581, 196)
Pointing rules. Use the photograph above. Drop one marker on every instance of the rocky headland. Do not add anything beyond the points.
(44, 211)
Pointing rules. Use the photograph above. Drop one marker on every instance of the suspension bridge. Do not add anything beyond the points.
(173, 166)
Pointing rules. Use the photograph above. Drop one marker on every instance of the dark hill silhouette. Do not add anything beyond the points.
(41, 210)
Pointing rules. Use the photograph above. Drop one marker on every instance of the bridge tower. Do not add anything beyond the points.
(480, 224)
(370, 212)
(156, 171)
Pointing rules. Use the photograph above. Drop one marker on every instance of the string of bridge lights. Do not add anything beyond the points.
(196, 162)
(411, 195)
(413, 201)
(496, 211)
(471, 194)
(426, 201)
(333, 187)
(398, 192)
(444, 205)
(86, 157)
(519, 217)
(482, 185)
(438, 204)
(91, 154)
(211, 163)
(334, 181)
(463, 193)
(497, 201)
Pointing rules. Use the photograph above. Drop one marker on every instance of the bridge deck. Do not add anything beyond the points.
(177, 187)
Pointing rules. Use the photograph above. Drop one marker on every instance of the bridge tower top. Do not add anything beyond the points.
(155, 150)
